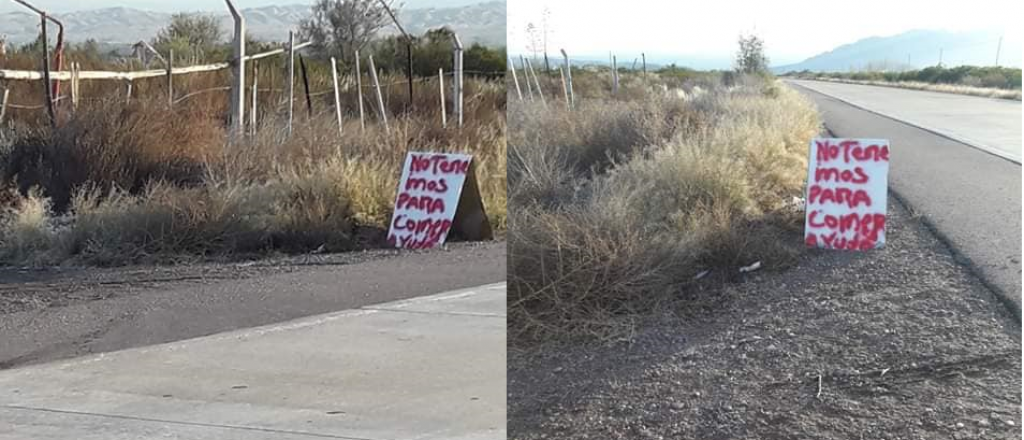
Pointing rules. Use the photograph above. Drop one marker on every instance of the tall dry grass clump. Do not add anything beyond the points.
(608, 223)
(119, 183)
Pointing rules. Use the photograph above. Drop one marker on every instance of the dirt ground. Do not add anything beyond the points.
(900, 343)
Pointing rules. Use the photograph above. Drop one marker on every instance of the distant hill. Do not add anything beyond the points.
(913, 49)
(477, 23)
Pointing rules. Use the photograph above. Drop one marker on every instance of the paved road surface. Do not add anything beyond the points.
(97, 311)
(987, 123)
(426, 368)
(972, 198)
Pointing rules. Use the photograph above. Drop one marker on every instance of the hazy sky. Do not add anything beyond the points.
(190, 5)
(792, 29)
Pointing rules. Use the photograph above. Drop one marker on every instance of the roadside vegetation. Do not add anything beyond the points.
(629, 201)
(124, 181)
(990, 82)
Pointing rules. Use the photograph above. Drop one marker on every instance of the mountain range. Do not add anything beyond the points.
(914, 49)
(482, 23)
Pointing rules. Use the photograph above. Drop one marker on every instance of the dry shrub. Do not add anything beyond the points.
(121, 184)
(711, 190)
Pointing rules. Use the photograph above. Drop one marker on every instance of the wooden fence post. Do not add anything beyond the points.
(74, 85)
(615, 75)
(255, 90)
(238, 88)
(128, 93)
(512, 66)
(380, 98)
(568, 80)
(359, 92)
(170, 78)
(457, 80)
(46, 76)
(440, 85)
(529, 85)
(3, 106)
(565, 89)
(305, 87)
(337, 93)
(531, 71)
(291, 80)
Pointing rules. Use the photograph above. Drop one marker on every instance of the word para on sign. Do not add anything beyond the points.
(428, 197)
(847, 190)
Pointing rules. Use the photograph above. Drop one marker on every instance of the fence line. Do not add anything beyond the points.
(66, 75)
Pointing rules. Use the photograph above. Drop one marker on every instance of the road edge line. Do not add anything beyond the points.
(919, 127)
(959, 257)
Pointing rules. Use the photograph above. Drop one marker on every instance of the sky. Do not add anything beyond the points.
(793, 30)
(56, 6)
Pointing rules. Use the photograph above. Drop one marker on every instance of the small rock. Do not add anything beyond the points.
(696, 394)
(1008, 422)
(959, 425)
(678, 406)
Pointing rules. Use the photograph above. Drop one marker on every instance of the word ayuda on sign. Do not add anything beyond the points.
(847, 190)
(429, 196)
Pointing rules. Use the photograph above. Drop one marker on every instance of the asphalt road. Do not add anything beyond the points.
(429, 368)
(987, 123)
(970, 197)
(99, 311)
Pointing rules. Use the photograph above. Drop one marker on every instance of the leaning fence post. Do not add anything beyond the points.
(3, 106)
(128, 93)
(291, 80)
(238, 88)
(568, 80)
(337, 94)
(457, 79)
(359, 91)
(305, 87)
(440, 85)
(530, 71)
(46, 76)
(565, 89)
(529, 85)
(380, 98)
(515, 80)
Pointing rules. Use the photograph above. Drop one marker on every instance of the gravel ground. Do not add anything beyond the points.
(901, 343)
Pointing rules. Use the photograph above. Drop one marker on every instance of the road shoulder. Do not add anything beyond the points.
(905, 341)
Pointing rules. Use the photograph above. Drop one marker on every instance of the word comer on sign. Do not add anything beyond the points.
(437, 194)
(847, 186)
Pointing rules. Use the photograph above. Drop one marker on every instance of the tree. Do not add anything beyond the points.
(534, 42)
(341, 27)
(751, 57)
(189, 34)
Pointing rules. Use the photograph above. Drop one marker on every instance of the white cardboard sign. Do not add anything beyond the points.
(847, 190)
(428, 196)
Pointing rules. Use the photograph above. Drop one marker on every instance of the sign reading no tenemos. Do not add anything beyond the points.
(428, 196)
(847, 190)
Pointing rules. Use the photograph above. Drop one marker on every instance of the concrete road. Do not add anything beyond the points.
(970, 197)
(425, 368)
(97, 311)
(987, 123)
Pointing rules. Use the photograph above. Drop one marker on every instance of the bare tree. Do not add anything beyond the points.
(341, 27)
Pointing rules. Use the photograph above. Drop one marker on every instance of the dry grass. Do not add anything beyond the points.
(120, 183)
(959, 89)
(616, 207)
